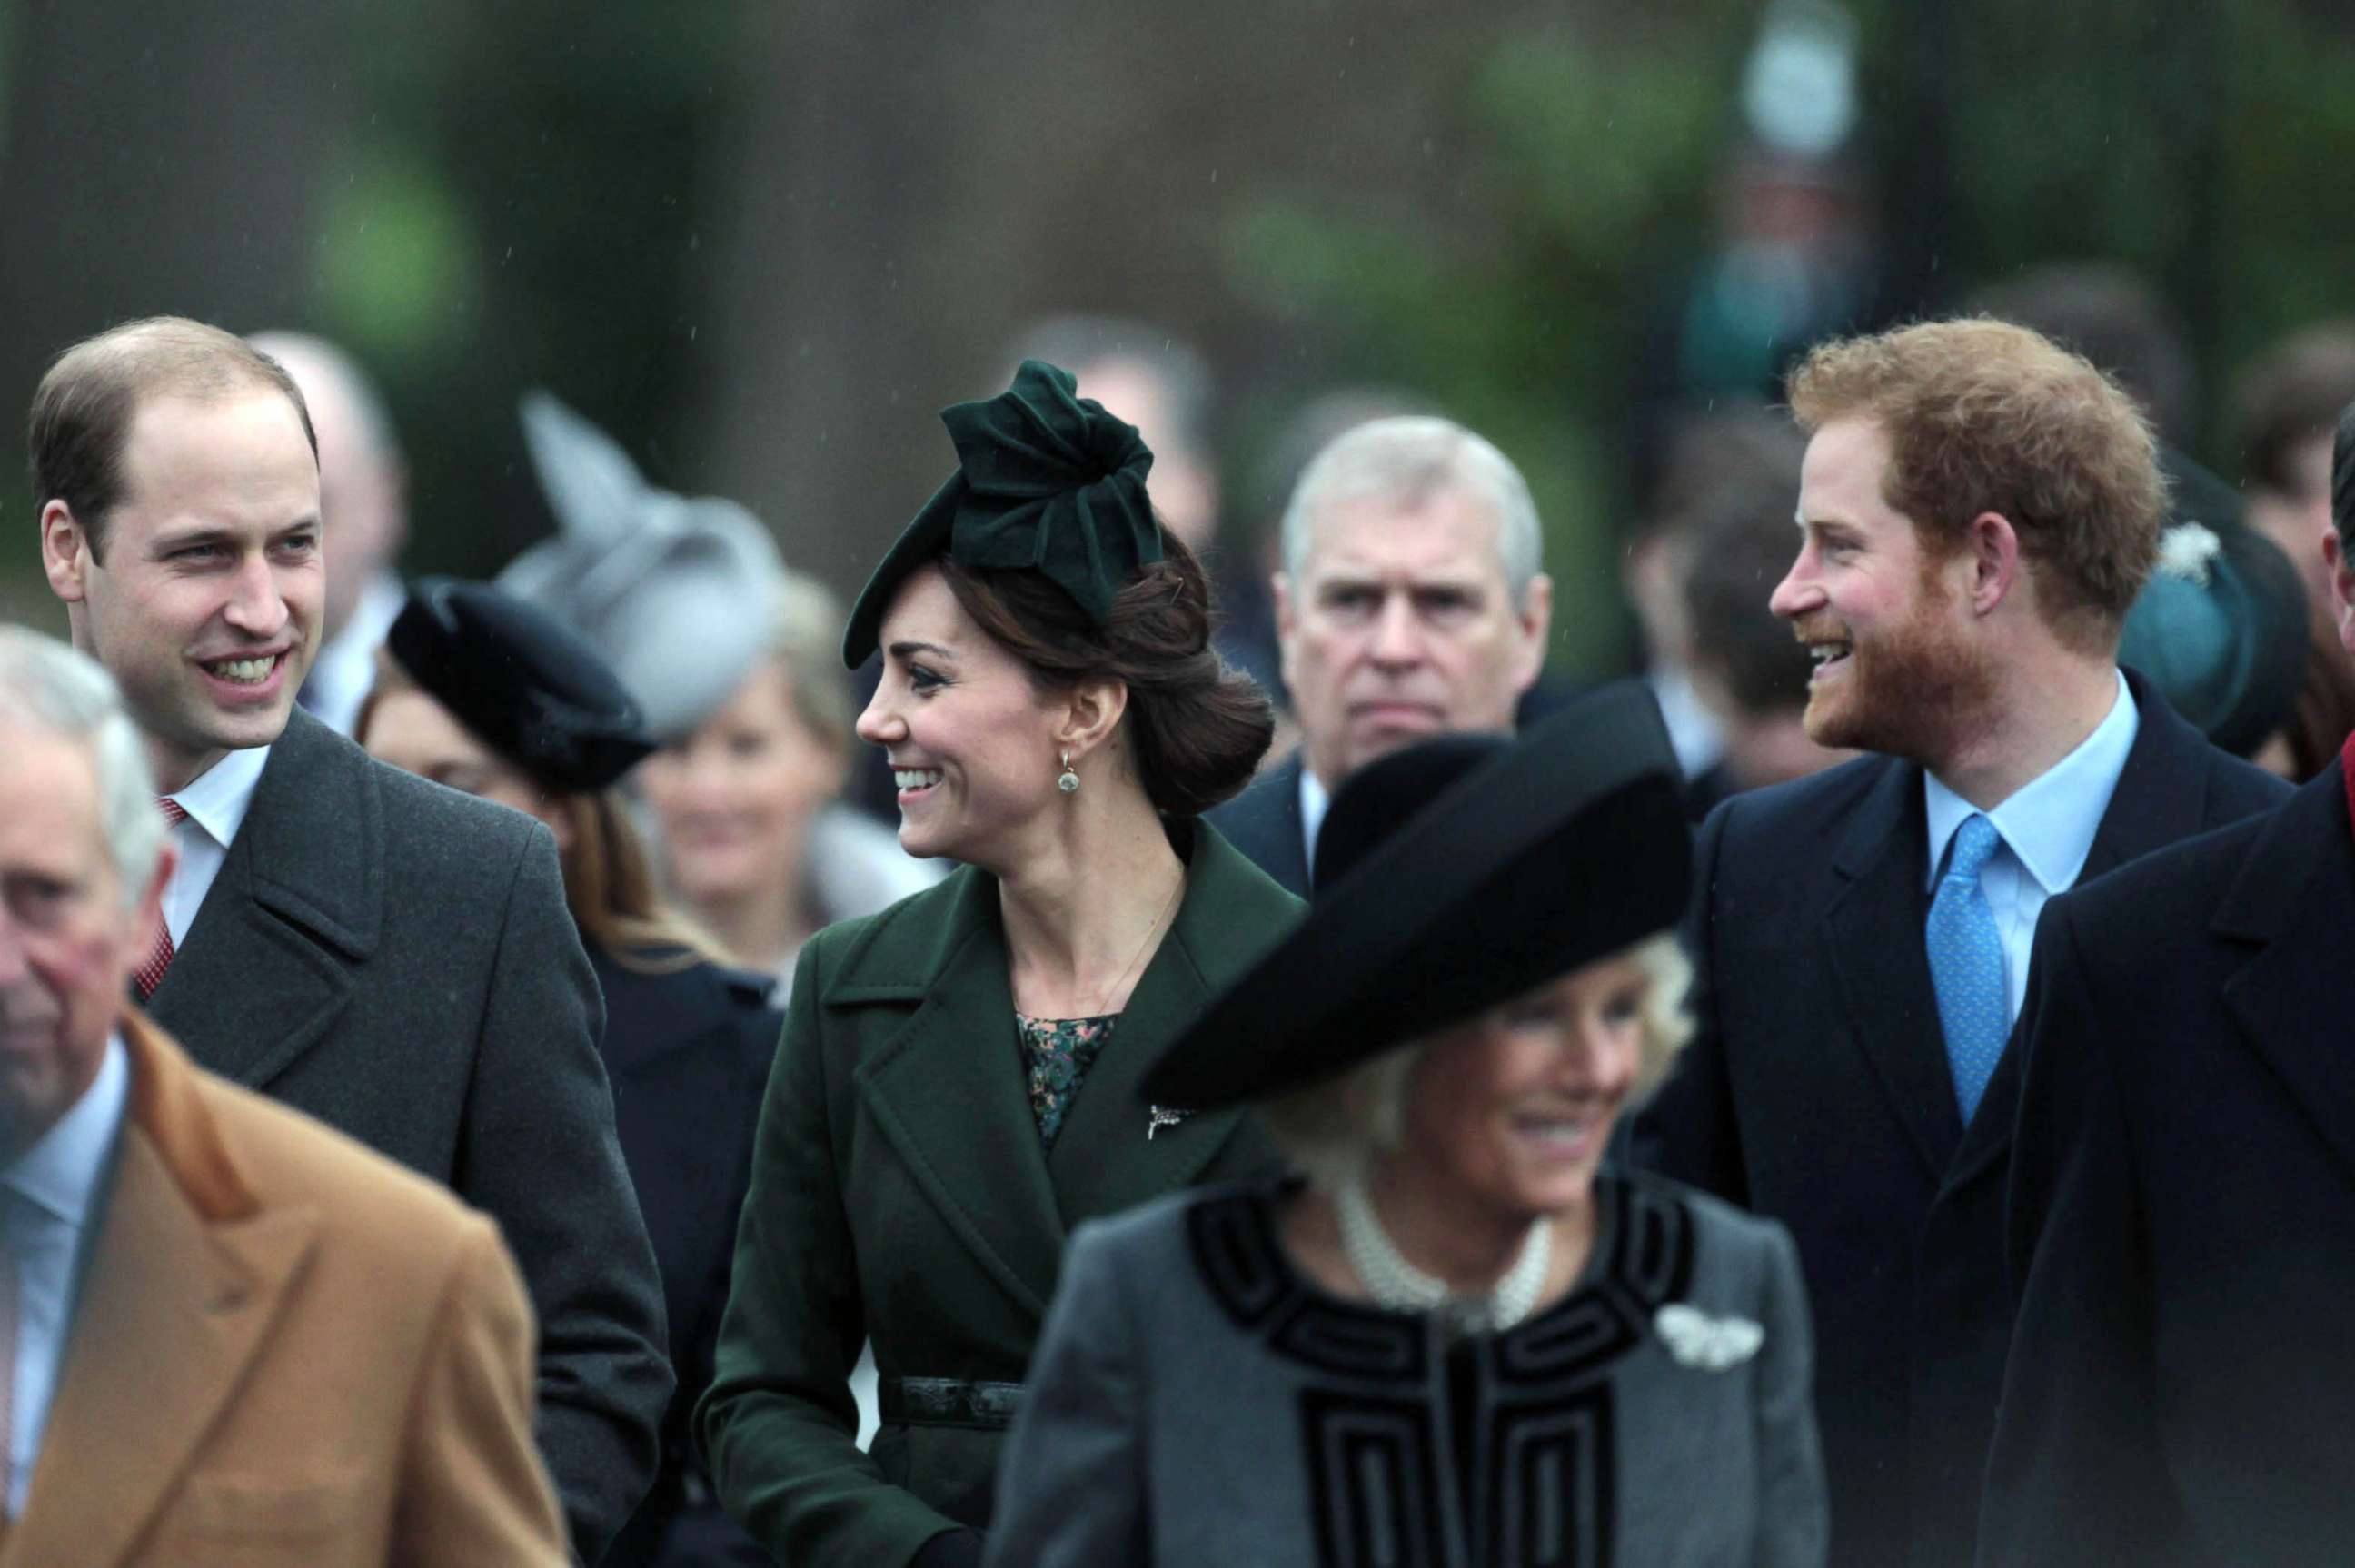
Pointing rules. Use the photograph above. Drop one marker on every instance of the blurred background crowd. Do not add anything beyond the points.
(759, 245)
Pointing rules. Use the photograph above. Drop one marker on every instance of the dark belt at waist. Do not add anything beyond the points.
(947, 1402)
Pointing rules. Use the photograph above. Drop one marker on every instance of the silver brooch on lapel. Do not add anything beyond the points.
(1162, 1116)
(1711, 1344)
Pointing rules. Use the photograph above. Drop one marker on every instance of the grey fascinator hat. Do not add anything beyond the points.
(677, 595)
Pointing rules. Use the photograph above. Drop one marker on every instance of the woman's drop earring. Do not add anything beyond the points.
(1068, 781)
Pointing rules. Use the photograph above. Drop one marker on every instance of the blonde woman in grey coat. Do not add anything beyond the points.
(1457, 1336)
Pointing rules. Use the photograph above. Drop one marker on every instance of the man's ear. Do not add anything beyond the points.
(2342, 588)
(1535, 618)
(66, 555)
(1994, 545)
(1090, 711)
(1287, 622)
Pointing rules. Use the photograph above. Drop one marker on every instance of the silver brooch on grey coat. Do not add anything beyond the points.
(1711, 1344)
(1162, 1116)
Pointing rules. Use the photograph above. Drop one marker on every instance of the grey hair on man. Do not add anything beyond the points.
(1407, 458)
(47, 685)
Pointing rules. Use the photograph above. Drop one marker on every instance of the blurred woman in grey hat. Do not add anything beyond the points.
(481, 692)
(731, 655)
(754, 842)
(956, 1084)
(1462, 1339)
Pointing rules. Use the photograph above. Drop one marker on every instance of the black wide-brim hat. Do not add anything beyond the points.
(519, 682)
(1452, 877)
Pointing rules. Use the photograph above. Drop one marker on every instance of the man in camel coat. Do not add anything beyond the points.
(227, 1334)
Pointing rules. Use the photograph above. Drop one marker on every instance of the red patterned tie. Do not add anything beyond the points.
(149, 975)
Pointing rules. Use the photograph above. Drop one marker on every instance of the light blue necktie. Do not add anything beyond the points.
(1966, 964)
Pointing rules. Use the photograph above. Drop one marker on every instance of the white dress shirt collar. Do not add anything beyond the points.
(345, 668)
(216, 799)
(1314, 799)
(216, 802)
(60, 1174)
(2048, 824)
(1695, 732)
(52, 1191)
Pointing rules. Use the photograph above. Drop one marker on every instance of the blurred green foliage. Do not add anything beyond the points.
(518, 208)
(2197, 143)
(538, 193)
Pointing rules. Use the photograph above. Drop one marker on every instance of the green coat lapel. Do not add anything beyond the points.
(946, 1089)
(1105, 1161)
(945, 1086)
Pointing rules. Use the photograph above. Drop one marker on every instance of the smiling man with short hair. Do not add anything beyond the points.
(1977, 508)
(180, 524)
(393, 957)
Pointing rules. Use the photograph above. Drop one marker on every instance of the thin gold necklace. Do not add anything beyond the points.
(1104, 1000)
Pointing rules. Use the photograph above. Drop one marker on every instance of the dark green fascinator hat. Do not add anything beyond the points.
(1048, 482)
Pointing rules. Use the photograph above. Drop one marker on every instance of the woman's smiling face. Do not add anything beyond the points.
(736, 795)
(970, 738)
(1511, 1112)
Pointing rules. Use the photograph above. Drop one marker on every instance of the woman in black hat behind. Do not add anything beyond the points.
(480, 691)
(956, 1086)
(1463, 1340)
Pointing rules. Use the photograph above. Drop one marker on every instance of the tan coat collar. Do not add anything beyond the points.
(168, 1107)
(188, 1271)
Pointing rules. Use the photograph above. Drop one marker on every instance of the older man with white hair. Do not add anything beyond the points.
(227, 1333)
(1411, 602)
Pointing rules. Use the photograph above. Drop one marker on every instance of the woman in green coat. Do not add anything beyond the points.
(957, 1084)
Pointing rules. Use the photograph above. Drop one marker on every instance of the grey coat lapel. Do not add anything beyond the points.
(266, 968)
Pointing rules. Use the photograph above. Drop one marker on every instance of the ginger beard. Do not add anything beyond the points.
(1905, 690)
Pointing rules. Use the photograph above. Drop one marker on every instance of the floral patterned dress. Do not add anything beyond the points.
(1056, 1055)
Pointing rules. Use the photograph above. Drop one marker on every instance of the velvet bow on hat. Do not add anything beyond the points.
(1048, 482)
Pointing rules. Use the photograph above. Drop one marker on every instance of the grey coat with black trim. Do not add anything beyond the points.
(1197, 1399)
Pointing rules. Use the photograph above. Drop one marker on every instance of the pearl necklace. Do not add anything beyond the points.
(1399, 1285)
